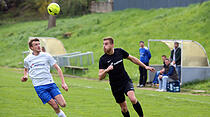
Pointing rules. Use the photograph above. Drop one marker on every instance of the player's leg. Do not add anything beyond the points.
(56, 94)
(120, 99)
(46, 97)
(124, 109)
(60, 100)
(132, 97)
(135, 102)
(54, 105)
(129, 91)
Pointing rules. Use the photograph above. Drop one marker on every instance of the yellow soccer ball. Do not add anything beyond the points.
(53, 9)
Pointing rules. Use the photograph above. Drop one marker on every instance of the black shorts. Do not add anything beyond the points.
(119, 92)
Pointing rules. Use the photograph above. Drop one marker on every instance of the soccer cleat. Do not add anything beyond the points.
(159, 90)
(164, 90)
(140, 86)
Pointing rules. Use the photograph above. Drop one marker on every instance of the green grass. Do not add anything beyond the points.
(92, 98)
(203, 85)
(128, 27)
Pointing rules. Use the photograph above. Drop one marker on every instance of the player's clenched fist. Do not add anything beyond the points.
(65, 87)
(24, 79)
(110, 68)
(150, 68)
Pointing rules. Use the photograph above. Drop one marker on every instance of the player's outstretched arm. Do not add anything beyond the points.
(25, 77)
(138, 62)
(64, 85)
(102, 72)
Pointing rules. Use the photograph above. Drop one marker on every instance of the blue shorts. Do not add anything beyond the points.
(47, 92)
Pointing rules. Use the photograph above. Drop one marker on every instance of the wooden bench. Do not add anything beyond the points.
(73, 69)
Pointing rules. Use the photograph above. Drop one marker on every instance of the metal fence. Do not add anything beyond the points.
(75, 59)
(149, 4)
(71, 59)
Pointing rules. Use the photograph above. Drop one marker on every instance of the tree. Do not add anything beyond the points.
(52, 19)
(201, 1)
(3, 5)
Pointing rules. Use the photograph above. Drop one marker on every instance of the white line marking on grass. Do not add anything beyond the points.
(175, 98)
(153, 95)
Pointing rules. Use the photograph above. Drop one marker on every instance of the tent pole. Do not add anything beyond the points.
(203, 50)
(181, 61)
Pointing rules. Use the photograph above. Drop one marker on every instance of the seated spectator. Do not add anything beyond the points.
(169, 74)
(155, 81)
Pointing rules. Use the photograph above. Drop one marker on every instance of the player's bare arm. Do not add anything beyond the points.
(138, 62)
(64, 85)
(103, 72)
(162, 70)
(25, 77)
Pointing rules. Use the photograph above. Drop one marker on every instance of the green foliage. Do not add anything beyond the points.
(25, 10)
(42, 5)
(128, 27)
(74, 8)
(91, 98)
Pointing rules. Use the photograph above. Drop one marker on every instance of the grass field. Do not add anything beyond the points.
(92, 98)
(203, 86)
(128, 27)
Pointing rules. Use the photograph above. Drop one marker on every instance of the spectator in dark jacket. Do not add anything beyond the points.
(176, 58)
(169, 74)
(155, 81)
(144, 58)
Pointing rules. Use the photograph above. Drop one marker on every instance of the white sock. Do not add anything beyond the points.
(61, 114)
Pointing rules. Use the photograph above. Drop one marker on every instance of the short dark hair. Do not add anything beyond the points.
(31, 41)
(141, 41)
(164, 56)
(167, 59)
(176, 42)
(111, 40)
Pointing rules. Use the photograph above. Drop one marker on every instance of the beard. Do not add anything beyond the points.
(107, 50)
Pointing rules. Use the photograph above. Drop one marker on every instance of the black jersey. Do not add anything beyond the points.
(118, 76)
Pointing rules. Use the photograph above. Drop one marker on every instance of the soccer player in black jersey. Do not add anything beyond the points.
(112, 63)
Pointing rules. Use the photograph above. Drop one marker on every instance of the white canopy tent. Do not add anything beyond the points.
(51, 45)
(194, 60)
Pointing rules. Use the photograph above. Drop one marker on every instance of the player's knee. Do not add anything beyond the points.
(63, 104)
(133, 100)
(124, 108)
(165, 77)
(55, 106)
